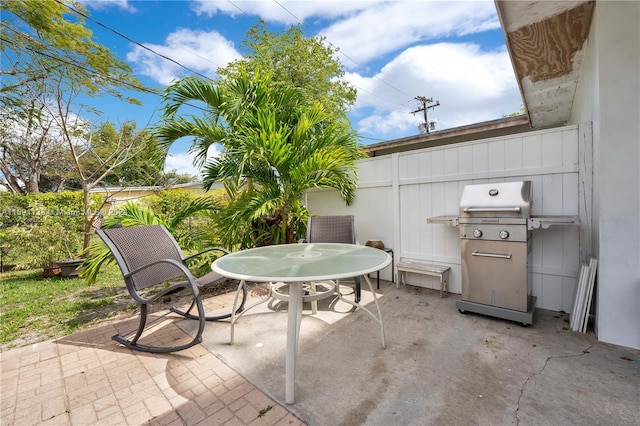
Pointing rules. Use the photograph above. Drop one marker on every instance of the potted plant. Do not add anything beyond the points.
(68, 245)
(45, 245)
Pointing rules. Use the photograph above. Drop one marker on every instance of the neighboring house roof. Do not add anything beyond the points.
(487, 129)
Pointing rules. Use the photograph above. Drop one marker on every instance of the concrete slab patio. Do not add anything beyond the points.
(439, 368)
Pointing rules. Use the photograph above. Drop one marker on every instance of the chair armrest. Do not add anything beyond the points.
(225, 251)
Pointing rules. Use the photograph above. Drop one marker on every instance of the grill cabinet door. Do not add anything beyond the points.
(495, 273)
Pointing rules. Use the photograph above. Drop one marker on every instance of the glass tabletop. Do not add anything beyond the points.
(302, 262)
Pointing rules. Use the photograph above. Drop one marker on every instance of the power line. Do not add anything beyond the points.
(84, 68)
(118, 33)
(372, 139)
(94, 72)
(139, 44)
(300, 21)
(131, 85)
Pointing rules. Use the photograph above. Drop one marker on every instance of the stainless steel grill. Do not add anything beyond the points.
(495, 247)
(495, 225)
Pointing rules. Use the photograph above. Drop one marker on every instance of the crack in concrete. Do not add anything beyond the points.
(584, 352)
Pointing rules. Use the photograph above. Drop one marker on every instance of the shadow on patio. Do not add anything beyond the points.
(440, 367)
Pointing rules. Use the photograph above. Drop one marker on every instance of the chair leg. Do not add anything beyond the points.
(133, 343)
(189, 315)
(358, 290)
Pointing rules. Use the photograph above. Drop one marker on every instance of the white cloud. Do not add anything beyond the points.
(105, 4)
(389, 27)
(183, 162)
(366, 30)
(200, 51)
(286, 12)
(472, 86)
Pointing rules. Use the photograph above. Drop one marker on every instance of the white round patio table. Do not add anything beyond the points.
(297, 264)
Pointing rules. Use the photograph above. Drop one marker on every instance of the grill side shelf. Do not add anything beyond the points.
(545, 222)
(444, 220)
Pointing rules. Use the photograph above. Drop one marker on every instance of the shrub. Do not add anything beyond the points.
(38, 229)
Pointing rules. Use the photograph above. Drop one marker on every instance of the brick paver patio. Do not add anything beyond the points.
(88, 379)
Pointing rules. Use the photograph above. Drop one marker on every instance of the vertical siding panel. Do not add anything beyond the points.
(437, 163)
(531, 151)
(552, 149)
(451, 161)
(480, 158)
(425, 169)
(537, 289)
(570, 195)
(552, 292)
(409, 199)
(570, 234)
(424, 233)
(568, 293)
(496, 152)
(552, 249)
(552, 205)
(552, 188)
(451, 207)
(570, 147)
(403, 166)
(535, 258)
(437, 209)
(465, 160)
(513, 154)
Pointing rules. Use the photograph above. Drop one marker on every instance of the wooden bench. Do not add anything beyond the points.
(423, 268)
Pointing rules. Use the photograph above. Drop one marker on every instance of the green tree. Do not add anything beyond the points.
(143, 169)
(41, 38)
(31, 150)
(173, 177)
(49, 58)
(293, 60)
(522, 111)
(277, 143)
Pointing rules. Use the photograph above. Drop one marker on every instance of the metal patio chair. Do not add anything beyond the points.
(334, 229)
(153, 266)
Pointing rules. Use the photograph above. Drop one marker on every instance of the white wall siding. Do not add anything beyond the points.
(398, 192)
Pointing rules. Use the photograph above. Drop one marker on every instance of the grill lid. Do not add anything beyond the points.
(500, 199)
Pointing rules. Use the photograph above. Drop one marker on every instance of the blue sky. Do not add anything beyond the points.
(392, 51)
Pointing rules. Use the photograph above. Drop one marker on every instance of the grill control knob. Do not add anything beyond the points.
(477, 233)
(504, 234)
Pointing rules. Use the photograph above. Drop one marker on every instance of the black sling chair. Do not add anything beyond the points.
(149, 258)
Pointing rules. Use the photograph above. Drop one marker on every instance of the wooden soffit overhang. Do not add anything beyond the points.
(546, 42)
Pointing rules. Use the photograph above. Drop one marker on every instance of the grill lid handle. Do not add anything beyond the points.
(492, 209)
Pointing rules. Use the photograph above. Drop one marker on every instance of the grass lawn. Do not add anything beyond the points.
(34, 308)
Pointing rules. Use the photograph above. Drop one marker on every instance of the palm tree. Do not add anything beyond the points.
(276, 144)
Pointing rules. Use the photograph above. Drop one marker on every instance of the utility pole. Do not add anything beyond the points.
(424, 101)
